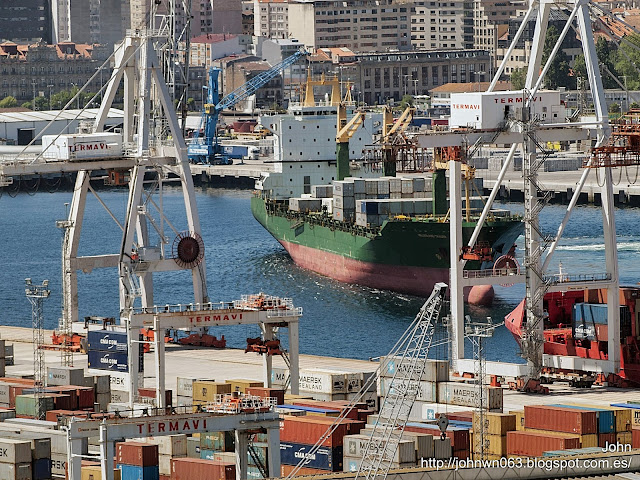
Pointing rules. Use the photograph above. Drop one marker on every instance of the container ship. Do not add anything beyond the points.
(576, 326)
(386, 233)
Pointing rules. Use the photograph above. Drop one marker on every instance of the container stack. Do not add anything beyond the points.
(213, 444)
(169, 447)
(94, 472)
(185, 391)
(299, 434)
(551, 428)
(330, 384)
(496, 428)
(15, 460)
(344, 202)
(137, 460)
(205, 391)
(40, 446)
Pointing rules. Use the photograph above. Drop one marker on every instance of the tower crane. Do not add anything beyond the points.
(206, 149)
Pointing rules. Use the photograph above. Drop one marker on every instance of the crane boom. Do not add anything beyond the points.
(207, 148)
(409, 363)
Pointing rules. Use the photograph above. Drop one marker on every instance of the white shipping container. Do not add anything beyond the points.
(322, 191)
(118, 396)
(4, 393)
(434, 371)
(356, 445)
(407, 185)
(14, 451)
(164, 463)
(40, 442)
(427, 391)
(20, 471)
(489, 110)
(371, 186)
(468, 395)
(371, 398)
(117, 380)
(31, 422)
(351, 464)
(59, 464)
(172, 445)
(343, 188)
(322, 381)
(346, 203)
(395, 185)
(102, 383)
(328, 203)
(185, 387)
(325, 397)
(65, 376)
(279, 377)
(183, 401)
(81, 146)
(383, 186)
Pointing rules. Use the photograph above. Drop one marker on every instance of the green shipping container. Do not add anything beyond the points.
(28, 405)
(218, 441)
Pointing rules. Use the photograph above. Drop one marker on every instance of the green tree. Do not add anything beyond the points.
(191, 103)
(558, 73)
(614, 108)
(8, 102)
(626, 61)
(518, 78)
(407, 101)
(42, 103)
(27, 105)
(634, 105)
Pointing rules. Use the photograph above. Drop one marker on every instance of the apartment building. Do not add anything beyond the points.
(442, 25)
(30, 70)
(271, 18)
(491, 21)
(359, 25)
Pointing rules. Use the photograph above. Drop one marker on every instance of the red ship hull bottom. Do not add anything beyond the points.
(417, 281)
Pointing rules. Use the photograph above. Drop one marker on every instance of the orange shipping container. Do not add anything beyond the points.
(635, 438)
(287, 469)
(533, 444)
(560, 419)
(137, 453)
(308, 430)
(196, 468)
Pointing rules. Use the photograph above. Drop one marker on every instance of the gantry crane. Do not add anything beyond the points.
(345, 132)
(206, 149)
(391, 131)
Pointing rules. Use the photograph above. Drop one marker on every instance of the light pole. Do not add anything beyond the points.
(33, 84)
(78, 96)
(405, 84)
(478, 76)
(626, 91)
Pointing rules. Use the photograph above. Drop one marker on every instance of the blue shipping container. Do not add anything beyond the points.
(606, 418)
(104, 340)
(108, 361)
(133, 472)
(41, 469)
(323, 459)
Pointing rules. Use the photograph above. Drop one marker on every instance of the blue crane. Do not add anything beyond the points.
(206, 149)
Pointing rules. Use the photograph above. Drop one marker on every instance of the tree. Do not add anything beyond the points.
(614, 108)
(407, 101)
(634, 105)
(8, 102)
(191, 103)
(42, 103)
(27, 105)
(518, 78)
(558, 74)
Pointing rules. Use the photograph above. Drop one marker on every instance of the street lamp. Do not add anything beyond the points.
(33, 83)
(77, 97)
(478, 74)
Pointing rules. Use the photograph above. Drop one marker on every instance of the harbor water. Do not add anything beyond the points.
(242, 258)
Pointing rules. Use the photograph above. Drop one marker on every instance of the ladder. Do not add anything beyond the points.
(407, 361)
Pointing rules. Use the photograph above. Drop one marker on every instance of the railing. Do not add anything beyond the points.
(231, 404)
(490, 273)
(284, 309)
(580, 278)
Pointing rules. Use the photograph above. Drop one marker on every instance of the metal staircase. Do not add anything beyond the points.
(408, 362)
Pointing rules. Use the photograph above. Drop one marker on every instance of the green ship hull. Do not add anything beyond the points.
(407, 255)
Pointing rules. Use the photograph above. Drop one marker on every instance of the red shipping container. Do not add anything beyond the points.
(60, 401)
(71, 390)
(533, 444)
(363, 415)
(635, 438)
(196, 469)
(267, 393)
(460, 416)
(460, 439)
(604, 438)
(86, 397)
(14, 391)
(308, 430)
(462, 454)
(353, 414)
(137, 453)
(560, 419)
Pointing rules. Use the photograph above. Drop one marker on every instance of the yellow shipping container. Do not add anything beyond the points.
(494, 444)
(495, 423)
(586, 441)
(519, 414)
(94, 472)
(241, 384)
(624, 438)
(206, 390)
